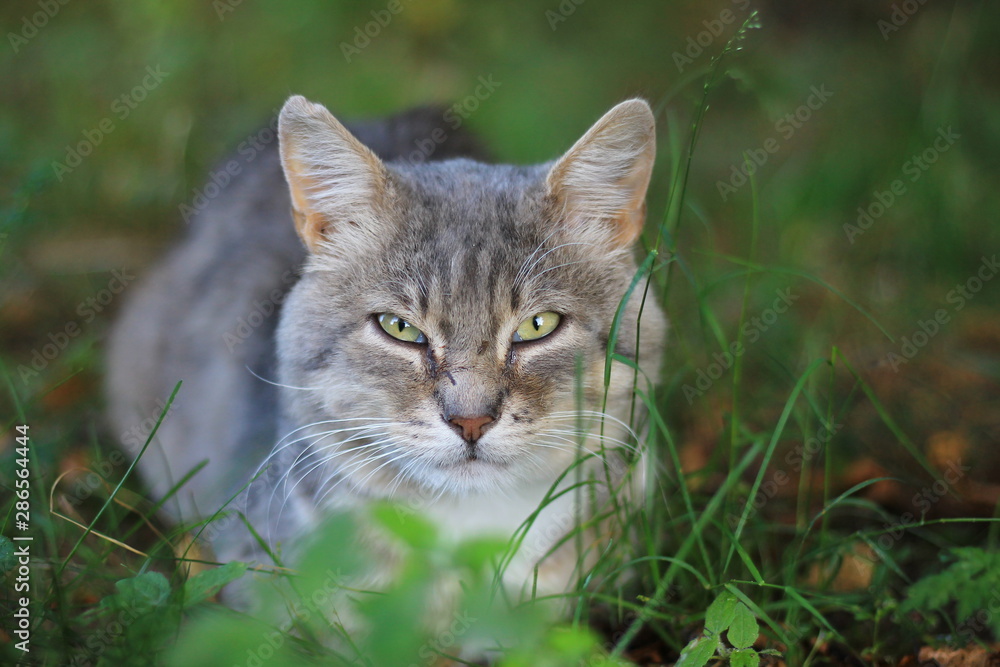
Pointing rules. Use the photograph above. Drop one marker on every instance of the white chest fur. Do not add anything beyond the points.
(517, 514)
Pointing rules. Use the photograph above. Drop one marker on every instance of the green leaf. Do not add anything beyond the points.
(968, 582)
(573, 643)
(616, 321)
(407, 525)
(744, 657)
(477, 554)
(698, 652)
(398, 622)
(207, 583)
(720, 613)
(7, 559)
(222, 638)
(140, 594)
(333, 556)
(743, 630)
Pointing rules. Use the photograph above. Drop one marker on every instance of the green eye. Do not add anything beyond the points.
(537, 326)
(400, 329)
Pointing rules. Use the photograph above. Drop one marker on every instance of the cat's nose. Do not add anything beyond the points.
(471, 428)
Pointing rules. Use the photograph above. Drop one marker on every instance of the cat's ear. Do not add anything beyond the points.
(599, 186)
(334, 179)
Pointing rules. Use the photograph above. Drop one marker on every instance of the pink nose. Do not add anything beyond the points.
(471, 427)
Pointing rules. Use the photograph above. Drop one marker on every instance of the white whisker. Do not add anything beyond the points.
(278, 384)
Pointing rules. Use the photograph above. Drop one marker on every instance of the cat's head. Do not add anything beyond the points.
(456, 315)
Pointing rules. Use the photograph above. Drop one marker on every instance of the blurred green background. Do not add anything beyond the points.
(841, 102)
(893, 74)
(893, 77)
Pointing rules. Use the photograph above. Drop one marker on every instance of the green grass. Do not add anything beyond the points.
(760, 498)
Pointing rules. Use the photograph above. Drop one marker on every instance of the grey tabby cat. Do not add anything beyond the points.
(437, 321)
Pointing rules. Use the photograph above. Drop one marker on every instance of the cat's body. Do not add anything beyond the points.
(436, 322)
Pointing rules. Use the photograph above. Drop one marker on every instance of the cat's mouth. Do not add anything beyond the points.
(473, 458)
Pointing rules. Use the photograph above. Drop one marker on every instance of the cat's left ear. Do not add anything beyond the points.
(339, 187)
(599, 186)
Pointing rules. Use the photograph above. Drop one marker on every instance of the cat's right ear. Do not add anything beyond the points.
(334, 179)
(599, 186)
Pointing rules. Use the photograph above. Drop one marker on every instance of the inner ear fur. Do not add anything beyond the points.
(599, 185)
(333, 179)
